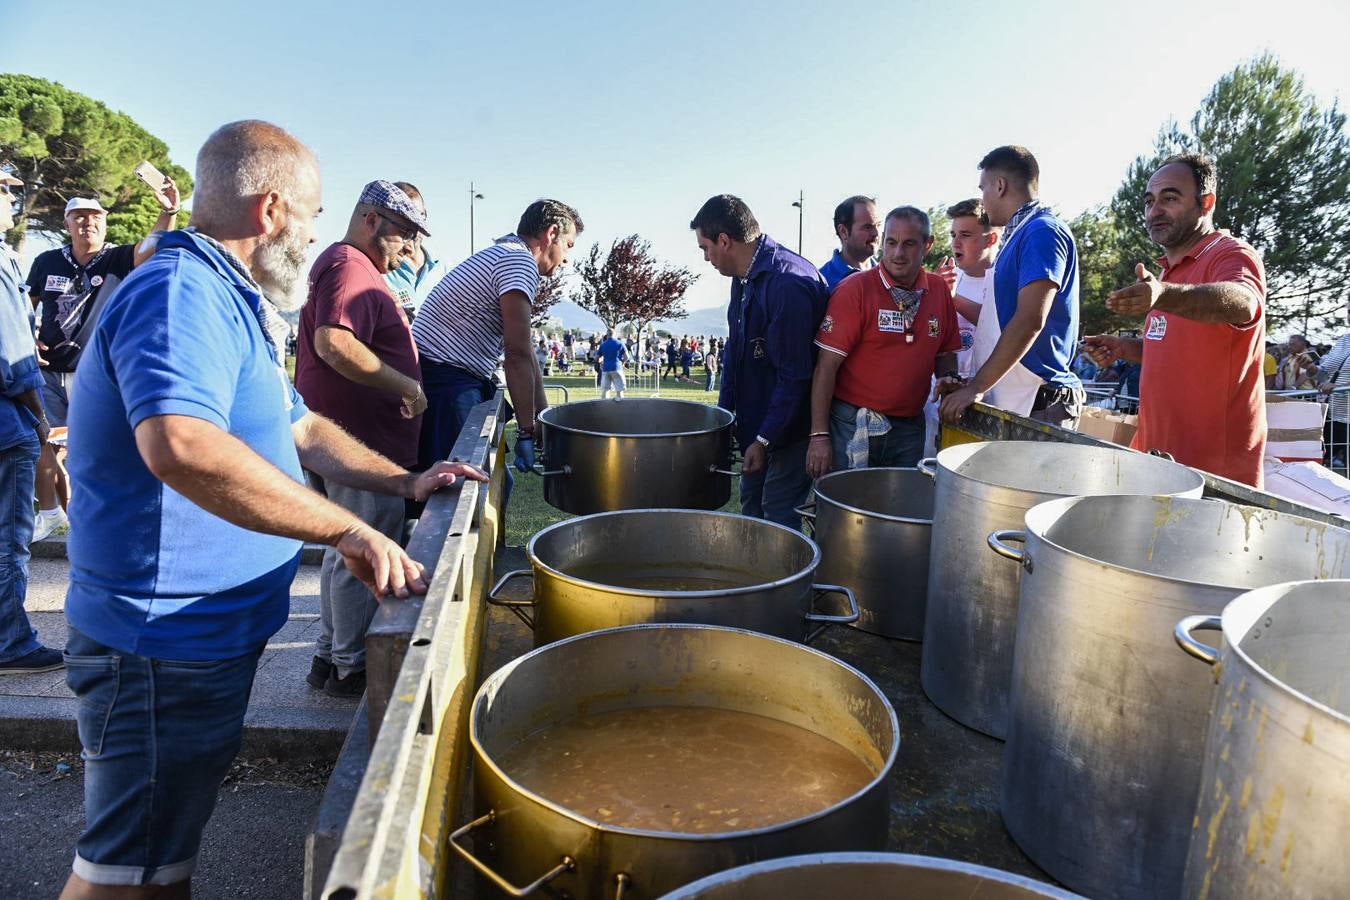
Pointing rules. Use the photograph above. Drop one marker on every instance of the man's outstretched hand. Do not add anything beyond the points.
(1138, 298)
(440, 476)
(380, 564)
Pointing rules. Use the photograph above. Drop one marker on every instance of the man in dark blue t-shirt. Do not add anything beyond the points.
(1035, 295)
(611, 353)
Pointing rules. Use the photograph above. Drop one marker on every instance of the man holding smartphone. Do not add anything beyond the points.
(67, 283)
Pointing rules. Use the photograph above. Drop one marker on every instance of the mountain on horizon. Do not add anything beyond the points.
(709, 321)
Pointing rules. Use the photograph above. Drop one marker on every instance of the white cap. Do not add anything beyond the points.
(83, 203)
(9, 179)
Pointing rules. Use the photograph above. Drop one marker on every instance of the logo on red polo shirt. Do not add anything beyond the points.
(1157, 327)
(934, 326)
(891, 320)
(827, 325)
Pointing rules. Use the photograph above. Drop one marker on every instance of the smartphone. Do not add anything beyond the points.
(152, 176)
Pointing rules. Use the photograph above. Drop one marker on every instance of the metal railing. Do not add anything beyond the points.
(422, 667)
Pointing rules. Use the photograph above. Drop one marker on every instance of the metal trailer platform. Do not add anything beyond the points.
(401, 785)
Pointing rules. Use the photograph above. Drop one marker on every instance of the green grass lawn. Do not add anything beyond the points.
(527, 512)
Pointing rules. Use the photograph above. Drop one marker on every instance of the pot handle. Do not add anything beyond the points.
(928, 466)
(1203, 652)
(852, 616)
(566, 864)
(539, 469)
(516, 606)
(714, 470)
(806, 510)
(996, 543)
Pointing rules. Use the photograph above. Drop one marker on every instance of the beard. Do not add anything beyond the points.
(276, 265)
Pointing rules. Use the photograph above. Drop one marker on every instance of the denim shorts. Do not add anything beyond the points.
(158, 737)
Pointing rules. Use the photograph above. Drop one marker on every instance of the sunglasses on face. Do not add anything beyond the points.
(402, 232)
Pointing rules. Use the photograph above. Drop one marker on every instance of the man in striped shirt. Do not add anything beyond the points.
(479, 311)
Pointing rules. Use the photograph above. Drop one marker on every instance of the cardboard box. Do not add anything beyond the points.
(1118, 428)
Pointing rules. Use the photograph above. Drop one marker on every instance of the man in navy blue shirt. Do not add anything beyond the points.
(187, 441)
(859, 229)
(1035, 299)
(777, 301)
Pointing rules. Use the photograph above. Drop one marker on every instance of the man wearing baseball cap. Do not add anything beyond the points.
(356, 364)
(68, 283)
(23, 431)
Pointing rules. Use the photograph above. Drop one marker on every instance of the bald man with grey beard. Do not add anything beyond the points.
(187, 443)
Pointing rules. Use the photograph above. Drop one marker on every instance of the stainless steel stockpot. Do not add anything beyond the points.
(873, 527)
(637, 453)
(971, 618)
(671, 565)
(524, 841)
(1273, 818)
(1106, 734)
(860, 875)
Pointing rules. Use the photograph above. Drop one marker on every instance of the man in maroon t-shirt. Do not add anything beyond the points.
(357, 365)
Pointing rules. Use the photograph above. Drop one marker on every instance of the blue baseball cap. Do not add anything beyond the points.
(387, 195)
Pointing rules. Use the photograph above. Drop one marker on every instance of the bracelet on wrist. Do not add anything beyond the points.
(819, 434)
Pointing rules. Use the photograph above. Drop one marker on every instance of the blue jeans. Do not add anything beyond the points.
(901, 446)
(775, 491)
(452, 393)
(158, 738)
(18, 469)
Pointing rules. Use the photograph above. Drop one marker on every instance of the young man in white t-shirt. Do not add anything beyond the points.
(974, 246)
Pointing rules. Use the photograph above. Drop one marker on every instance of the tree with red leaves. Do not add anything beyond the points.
(549, 294)
(630, 285)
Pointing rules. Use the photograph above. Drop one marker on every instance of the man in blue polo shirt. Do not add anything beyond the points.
(859, 229)
(1035, 302)
(418, 272)
(187, 442)
(777, 301)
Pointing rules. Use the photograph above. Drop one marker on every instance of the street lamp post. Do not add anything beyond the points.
(472, 197)
(800, 203)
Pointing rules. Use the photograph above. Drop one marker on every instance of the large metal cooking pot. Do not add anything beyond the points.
(525, 841)
(1107, 725)
(894, 875)
(1274, 813)
(671, 565)
(873, 528)
(638, 453)
(972, 595)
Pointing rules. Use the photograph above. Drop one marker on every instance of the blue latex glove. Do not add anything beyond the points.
(525, 454)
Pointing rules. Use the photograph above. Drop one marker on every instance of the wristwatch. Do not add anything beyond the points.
(762, 441)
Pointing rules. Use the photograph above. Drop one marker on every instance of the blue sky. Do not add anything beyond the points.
(636, 112)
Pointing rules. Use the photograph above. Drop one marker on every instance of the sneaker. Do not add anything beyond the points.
(353, 686)
(47, 521)
(320, 670)
(43, 659)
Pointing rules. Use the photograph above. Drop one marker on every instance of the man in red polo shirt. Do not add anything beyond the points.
(1201, 391)
(885, 334)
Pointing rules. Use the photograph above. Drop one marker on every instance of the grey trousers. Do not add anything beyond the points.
(346, 606)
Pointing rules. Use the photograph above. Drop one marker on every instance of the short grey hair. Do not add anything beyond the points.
(240, 161)
(914, 214)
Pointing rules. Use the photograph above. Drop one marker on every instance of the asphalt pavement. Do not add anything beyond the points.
(254, 845)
